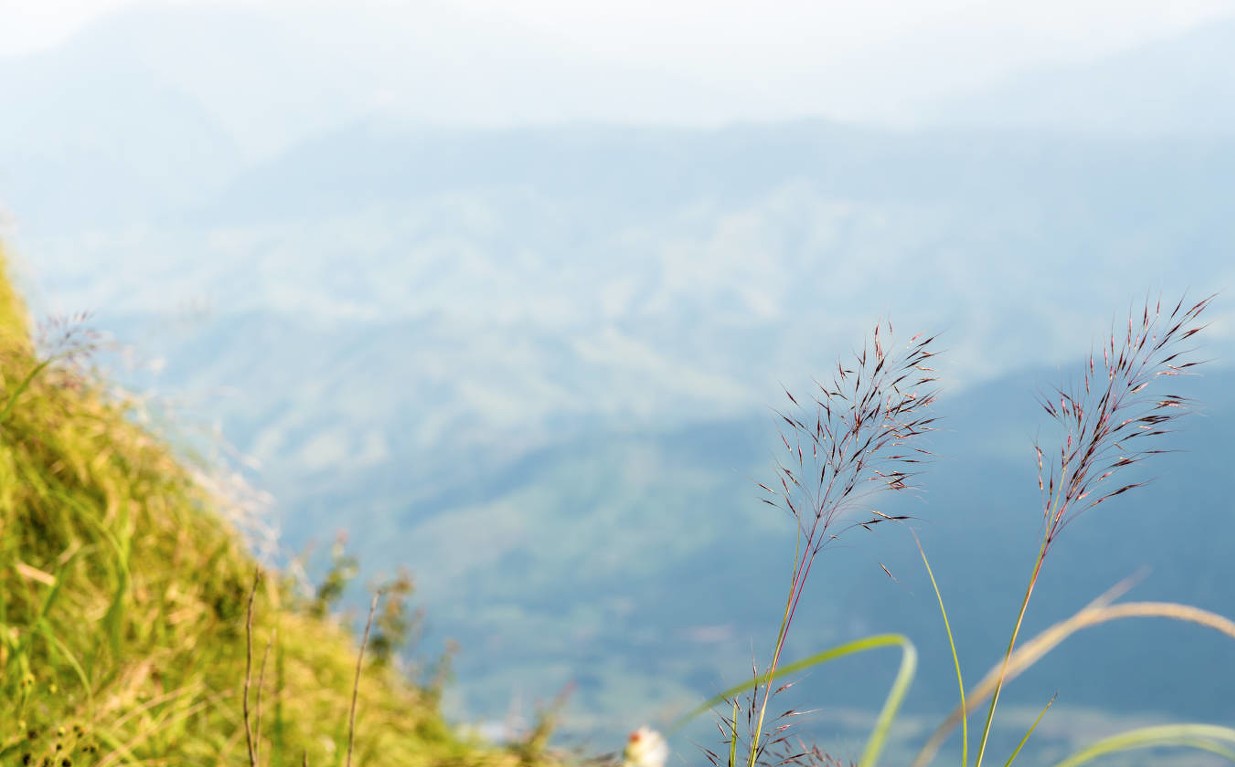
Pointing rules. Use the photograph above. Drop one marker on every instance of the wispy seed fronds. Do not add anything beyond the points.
(852, 437)
(1109, 416)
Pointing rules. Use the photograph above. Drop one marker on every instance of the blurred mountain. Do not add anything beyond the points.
(648, 172)
(733, 256)
(1179, 86)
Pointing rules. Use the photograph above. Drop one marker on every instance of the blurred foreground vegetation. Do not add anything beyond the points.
(124, 595)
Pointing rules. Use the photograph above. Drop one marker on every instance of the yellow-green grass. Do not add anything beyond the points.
(123, 596)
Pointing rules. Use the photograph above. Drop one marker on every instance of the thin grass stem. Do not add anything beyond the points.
(1029, 733)
(248, 670)
(351, 714)
(1007, 656)
(956, 663)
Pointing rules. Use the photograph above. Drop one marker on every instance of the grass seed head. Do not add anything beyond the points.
(1108, 418)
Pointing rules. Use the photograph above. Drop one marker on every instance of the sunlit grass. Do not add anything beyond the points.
(123, 596)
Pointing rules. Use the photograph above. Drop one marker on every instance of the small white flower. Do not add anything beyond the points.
(645, 748)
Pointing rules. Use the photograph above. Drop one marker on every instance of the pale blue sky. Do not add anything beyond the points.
(872, 60)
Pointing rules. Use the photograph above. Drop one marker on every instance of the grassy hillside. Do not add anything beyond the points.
(124, 596)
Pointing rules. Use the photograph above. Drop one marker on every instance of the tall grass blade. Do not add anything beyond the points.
(21, 387)
(733, 736)
(956, 663)
(1002, 676)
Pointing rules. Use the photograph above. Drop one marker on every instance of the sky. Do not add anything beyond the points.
(868, 61)
(654, 29)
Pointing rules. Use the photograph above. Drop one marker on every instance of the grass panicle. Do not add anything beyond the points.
(1109, 417)
(854, 436)
(1106, 421)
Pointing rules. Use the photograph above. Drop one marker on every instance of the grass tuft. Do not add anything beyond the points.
(128, 613)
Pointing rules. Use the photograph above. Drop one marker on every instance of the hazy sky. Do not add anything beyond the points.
(656, 29)
(859, 60)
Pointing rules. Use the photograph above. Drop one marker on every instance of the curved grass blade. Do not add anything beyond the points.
(21, 388)
(887, 715)
(900, 686)
(1204, 737)
(873, 642)
(1097, 612)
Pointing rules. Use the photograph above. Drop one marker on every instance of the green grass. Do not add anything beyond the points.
(124, 596)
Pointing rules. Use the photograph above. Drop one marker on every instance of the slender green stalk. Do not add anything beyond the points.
(956, 663)
(249, 738)
(733, 736)
(1007, 655)
(1028, 733)
(351, 714)
(781, 635)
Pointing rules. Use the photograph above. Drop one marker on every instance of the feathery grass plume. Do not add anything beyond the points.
(849, 441)
(1106, 421)
(1103, 420)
